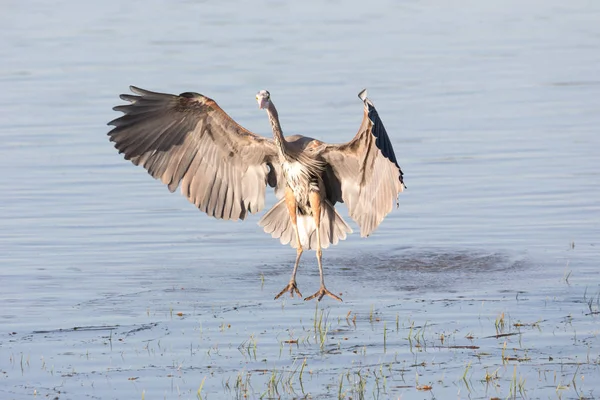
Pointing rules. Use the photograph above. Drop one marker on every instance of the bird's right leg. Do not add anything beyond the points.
(290, 201)
(291, 287)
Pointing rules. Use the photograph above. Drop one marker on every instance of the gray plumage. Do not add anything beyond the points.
(224, 169)
(188, 141)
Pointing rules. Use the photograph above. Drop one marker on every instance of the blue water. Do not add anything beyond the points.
(492, 110)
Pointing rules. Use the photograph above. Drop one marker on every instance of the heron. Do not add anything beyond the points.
(188, 141)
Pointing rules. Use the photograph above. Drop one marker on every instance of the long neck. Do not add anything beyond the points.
(277, 132)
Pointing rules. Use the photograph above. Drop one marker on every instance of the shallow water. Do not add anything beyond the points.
(489, 266)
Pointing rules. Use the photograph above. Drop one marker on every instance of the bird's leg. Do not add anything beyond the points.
(315, 204)
(290, 201)
(291, 287)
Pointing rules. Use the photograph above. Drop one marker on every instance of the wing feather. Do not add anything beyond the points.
(188, 141)
(366, 174)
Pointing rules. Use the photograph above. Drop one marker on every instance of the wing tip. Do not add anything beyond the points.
(363, 94)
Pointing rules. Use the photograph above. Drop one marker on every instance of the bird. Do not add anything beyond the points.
(189, 141)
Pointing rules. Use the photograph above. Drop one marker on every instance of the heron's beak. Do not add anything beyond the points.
(262, 102)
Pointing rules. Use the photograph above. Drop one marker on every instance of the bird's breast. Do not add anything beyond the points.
(298, 179)
(295, 173)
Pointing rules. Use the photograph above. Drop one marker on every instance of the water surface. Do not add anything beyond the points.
(492, 110)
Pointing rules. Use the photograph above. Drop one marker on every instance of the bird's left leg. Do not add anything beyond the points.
(292, 206)
(315, 205)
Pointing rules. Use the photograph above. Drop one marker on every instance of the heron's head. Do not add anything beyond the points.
(263, 98)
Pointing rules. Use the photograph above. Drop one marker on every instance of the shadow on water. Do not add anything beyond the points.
(437, 270)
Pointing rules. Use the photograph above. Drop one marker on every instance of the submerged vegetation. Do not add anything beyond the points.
(494, 344)
(474, 348)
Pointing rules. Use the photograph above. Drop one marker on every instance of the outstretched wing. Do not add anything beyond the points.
(367, 176)
(189, 140)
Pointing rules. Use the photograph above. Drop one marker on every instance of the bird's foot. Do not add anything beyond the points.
(322, 292)
(292, 288)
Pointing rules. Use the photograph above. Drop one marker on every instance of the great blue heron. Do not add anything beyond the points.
(223, 169)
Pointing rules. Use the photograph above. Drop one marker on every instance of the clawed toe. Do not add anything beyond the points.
(321, 293)
(292, 288)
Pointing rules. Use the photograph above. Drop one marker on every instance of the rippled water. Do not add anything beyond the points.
(492, 110)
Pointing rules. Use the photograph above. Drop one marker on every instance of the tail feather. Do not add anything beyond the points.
(333, 227)
(277, 222)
